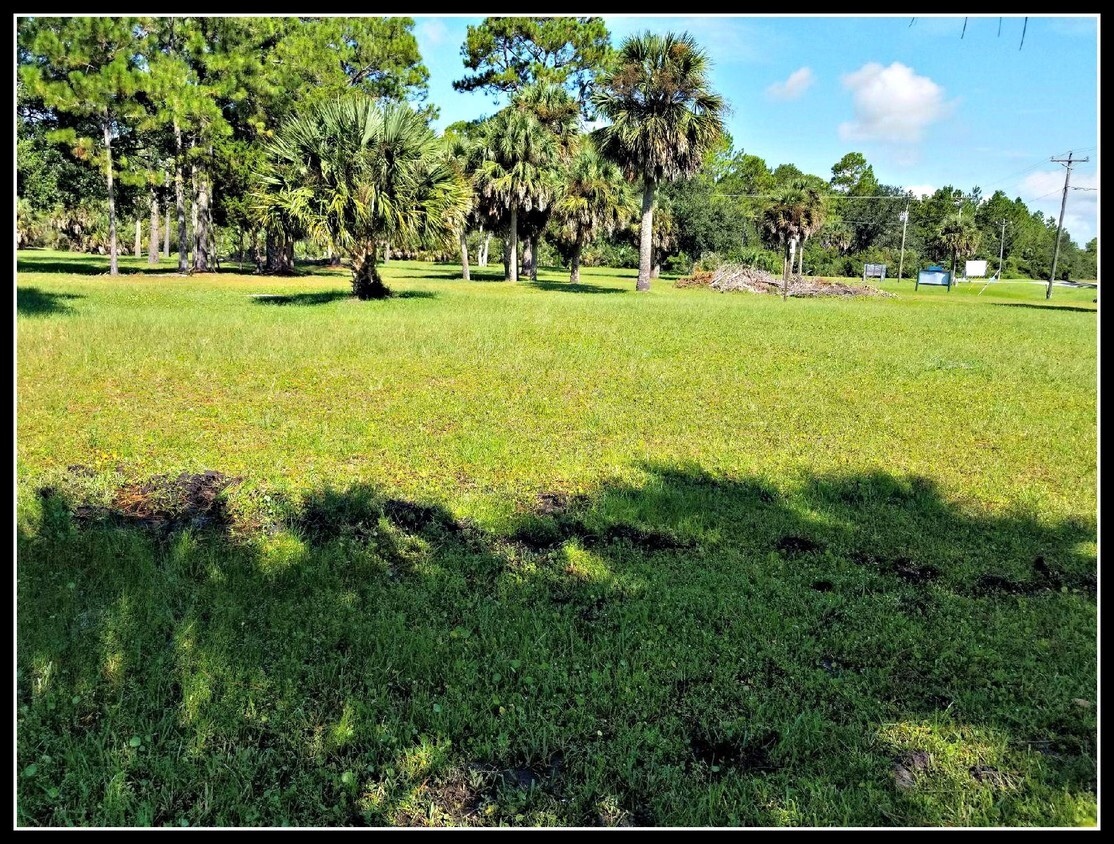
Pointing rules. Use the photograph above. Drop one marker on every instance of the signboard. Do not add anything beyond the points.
(975, 269)
(874, 271)
(934, 276)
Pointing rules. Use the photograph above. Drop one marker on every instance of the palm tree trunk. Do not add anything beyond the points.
(512, 260)
(646, 242)
(785, 271)
(137, 247)
(153, 243)
(166, 234)
(574, 272)
(113, 265)
(464, 256)
(366, 282)
(485, 239)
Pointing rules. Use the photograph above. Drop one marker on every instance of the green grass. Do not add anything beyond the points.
(545, 555)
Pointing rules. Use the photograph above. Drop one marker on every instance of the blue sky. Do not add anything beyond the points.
(926, 107)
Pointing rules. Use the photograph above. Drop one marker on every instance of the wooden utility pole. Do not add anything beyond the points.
(1001, 249)
(904, 225)
(1067, 162)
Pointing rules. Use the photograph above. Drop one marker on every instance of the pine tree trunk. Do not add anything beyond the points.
(646, 236)
(153, 243)
(113, 265)
(200, 222)
(512, 258)
(138, 245)
(574, 272)
(180, 204)
(464, 256)
(212, 257)
(166, 234)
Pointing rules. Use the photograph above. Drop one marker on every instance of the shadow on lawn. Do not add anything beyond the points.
(325, 297)
(1076, 308)
(569, 287)
(31, 301)
(353, 658)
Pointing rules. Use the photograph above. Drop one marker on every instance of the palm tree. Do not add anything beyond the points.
(796, 211)
(959, 236)
(663, 118)
(519, 155)
(595, 202)
(355, 175)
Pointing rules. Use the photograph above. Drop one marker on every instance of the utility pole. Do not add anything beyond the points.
(1001, 249)
(904, 224)
(1067, 162)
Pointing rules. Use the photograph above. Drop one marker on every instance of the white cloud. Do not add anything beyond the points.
(430, 31)
(793, 87)
(892, 104)
(921, 190)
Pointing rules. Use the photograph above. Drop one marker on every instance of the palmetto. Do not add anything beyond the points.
(354, 175)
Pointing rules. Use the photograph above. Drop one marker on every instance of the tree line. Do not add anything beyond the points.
(251, 138)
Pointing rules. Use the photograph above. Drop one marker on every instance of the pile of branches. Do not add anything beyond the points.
(733, 277)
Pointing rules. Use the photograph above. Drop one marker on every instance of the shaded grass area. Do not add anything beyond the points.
(496, 554)
(31, 301)
(360, 659)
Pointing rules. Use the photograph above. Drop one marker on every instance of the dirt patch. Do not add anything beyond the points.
(167, 503)
(909, 767)
(910, 572)
(988, 775)
(736, 277)
(796, 546)
(543, 533)
(720, 755)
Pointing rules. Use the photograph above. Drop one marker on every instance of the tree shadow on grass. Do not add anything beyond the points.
(31, 301)
(319, 298)
(1076, 308)
(325, 297)
(569, 287)
(352, 658)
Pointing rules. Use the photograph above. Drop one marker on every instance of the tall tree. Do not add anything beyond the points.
(663, 118)
(357, 175)
(510, 53)
(518, 170)
(88, 67)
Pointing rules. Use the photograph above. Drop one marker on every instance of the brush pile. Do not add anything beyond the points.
(735, 277)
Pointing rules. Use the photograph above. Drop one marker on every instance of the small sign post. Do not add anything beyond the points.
(874, 271)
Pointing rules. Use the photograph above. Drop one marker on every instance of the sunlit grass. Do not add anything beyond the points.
(524, 655)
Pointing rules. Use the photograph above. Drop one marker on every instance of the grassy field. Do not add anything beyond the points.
(543, 554)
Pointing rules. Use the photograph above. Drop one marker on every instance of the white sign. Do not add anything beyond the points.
(975, 269)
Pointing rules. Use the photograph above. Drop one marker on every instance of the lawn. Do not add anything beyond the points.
(542, 554)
